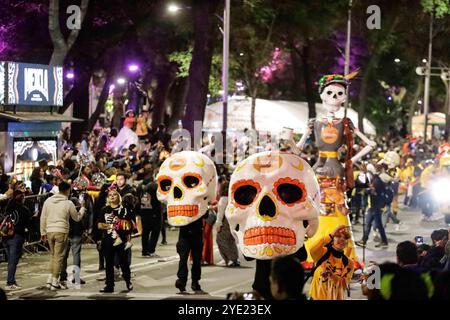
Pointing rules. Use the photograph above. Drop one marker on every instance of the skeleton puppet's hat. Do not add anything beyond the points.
(328, 79)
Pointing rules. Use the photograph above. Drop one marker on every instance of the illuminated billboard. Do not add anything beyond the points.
(26, 84)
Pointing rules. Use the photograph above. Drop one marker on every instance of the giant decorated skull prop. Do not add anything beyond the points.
(333, 97)
(391, 159)
(274, 201)
(187, 183)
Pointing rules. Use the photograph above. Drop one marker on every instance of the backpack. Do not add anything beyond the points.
(388, 194)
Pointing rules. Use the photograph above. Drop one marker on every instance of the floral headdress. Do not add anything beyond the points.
(328, 79)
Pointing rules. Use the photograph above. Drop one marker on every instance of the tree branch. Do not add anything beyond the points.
(74, 33)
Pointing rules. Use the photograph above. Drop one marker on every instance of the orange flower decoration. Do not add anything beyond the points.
(301, 198)
(243, 183)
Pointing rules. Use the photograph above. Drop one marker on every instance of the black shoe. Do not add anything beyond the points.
(145, 254)
(81, 281)
(107, 290)
(382, 245)
(235, 264)
(101, 268)
(196, 287)
(180, 285)
(164, 243)
(129, 286)
(360, 243)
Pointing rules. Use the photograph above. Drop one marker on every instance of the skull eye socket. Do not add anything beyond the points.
(191, 180)
(340, 93)
(164, 184)
(244, 193)
(329, 92)
(290, 191)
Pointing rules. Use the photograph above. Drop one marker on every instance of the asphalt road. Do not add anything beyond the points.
(154, 278)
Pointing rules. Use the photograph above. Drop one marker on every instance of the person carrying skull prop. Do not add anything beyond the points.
(274, 202)
(331, 134)
(187, 183)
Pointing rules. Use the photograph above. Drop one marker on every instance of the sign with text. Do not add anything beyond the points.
(32, 84)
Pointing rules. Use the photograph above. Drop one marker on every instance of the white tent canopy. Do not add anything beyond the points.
(270, 115)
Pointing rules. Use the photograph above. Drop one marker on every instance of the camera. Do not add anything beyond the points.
(419, 240)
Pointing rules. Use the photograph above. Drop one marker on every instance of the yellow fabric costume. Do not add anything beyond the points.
(334, 286)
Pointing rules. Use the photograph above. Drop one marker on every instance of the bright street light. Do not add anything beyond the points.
(133, 67)
(419, 102)
(70, 75)
(397, 60)
(424, 60)
(121, 81)
(173, 8)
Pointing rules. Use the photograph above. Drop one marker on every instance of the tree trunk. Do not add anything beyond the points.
(253, 111)
(81, 111)
(297, 71)
(200, 68)
(413, 104)
(76, 90)
(116, 120)
(179, 102)
(101, 102)
(309, 91)
(60, 46)
(160, 98)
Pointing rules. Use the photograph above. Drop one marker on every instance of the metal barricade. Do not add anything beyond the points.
(33, 242)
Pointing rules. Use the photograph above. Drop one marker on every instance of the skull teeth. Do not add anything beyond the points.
(269, 235)
(182, 210)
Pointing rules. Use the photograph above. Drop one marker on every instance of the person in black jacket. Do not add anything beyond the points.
(150, 213)
(21, 217)
(96, 233)
(374, 213)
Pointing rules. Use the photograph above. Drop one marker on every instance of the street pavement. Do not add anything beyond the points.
(154, 278)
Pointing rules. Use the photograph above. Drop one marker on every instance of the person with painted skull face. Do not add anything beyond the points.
(274, 203)
(187, 183)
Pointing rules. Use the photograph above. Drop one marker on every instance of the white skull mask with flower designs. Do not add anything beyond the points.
(187, 183)
(273, 202)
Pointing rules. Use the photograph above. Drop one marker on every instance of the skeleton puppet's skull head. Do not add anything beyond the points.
(391, 159)
(187, 182)
(333, 97)
(273, 201)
